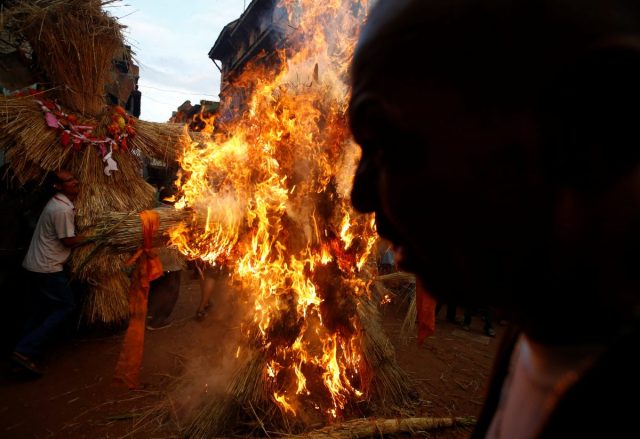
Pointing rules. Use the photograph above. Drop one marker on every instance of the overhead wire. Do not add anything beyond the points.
(182, 92)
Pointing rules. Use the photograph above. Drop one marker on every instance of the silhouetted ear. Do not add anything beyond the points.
(591, 116)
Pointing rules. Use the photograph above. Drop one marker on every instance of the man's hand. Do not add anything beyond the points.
(75, 241)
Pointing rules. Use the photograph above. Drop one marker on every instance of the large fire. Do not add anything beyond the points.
(275, 190)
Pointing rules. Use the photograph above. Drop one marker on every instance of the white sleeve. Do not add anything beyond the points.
(63, 222)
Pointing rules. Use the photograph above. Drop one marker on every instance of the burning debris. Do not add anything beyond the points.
(276, 195)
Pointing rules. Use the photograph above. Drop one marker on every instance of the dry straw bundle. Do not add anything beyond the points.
(402, 286)
(101, 195)
(75, 42)
(390, 385)
(107, 301)
(247, 407)
(31, 146)
(163, 141)
(102, 264)
(122, 232)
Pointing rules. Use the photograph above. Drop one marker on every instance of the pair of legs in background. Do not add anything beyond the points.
(210, 276)
(486, 313)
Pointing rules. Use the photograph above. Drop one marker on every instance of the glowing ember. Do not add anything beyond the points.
(272, 203)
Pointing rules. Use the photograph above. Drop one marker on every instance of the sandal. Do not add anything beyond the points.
(26, 363)
(163, 325)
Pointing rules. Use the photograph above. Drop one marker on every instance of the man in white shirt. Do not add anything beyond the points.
(50, 247)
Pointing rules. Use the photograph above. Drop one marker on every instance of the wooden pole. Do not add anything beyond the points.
(368, 427)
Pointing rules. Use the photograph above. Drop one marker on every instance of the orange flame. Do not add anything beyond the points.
(283, 403)
(271, 202)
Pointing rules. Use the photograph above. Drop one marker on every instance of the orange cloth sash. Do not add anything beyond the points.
(426, 307)
(147, 269)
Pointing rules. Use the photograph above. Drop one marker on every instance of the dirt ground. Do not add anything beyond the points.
(75, 397)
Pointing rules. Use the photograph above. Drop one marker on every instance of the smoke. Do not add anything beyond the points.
(225, 209)
(220, 352)
(347, 169)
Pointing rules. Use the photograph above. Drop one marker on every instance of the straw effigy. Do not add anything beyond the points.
(75, 42)
(248, 405)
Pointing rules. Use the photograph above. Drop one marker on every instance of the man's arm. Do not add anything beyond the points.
(74, 241)
(65, 226)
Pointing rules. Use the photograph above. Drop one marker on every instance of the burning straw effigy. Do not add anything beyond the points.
(276, 192)
(69, 126)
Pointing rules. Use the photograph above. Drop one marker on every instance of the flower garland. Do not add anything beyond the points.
(121, 129)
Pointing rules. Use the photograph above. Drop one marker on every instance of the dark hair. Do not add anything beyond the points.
(51, 179)
(48, 186)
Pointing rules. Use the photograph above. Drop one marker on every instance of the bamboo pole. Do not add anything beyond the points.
(398, 276)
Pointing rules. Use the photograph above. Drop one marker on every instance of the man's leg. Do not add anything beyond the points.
(468, 314)
(452, 309)
(55, 292)
(488, 322)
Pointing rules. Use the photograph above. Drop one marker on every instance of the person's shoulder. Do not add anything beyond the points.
(57, 207)
(51, 205)
(62, 202)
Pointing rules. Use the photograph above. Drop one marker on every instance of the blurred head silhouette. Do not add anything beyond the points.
(500, 150)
